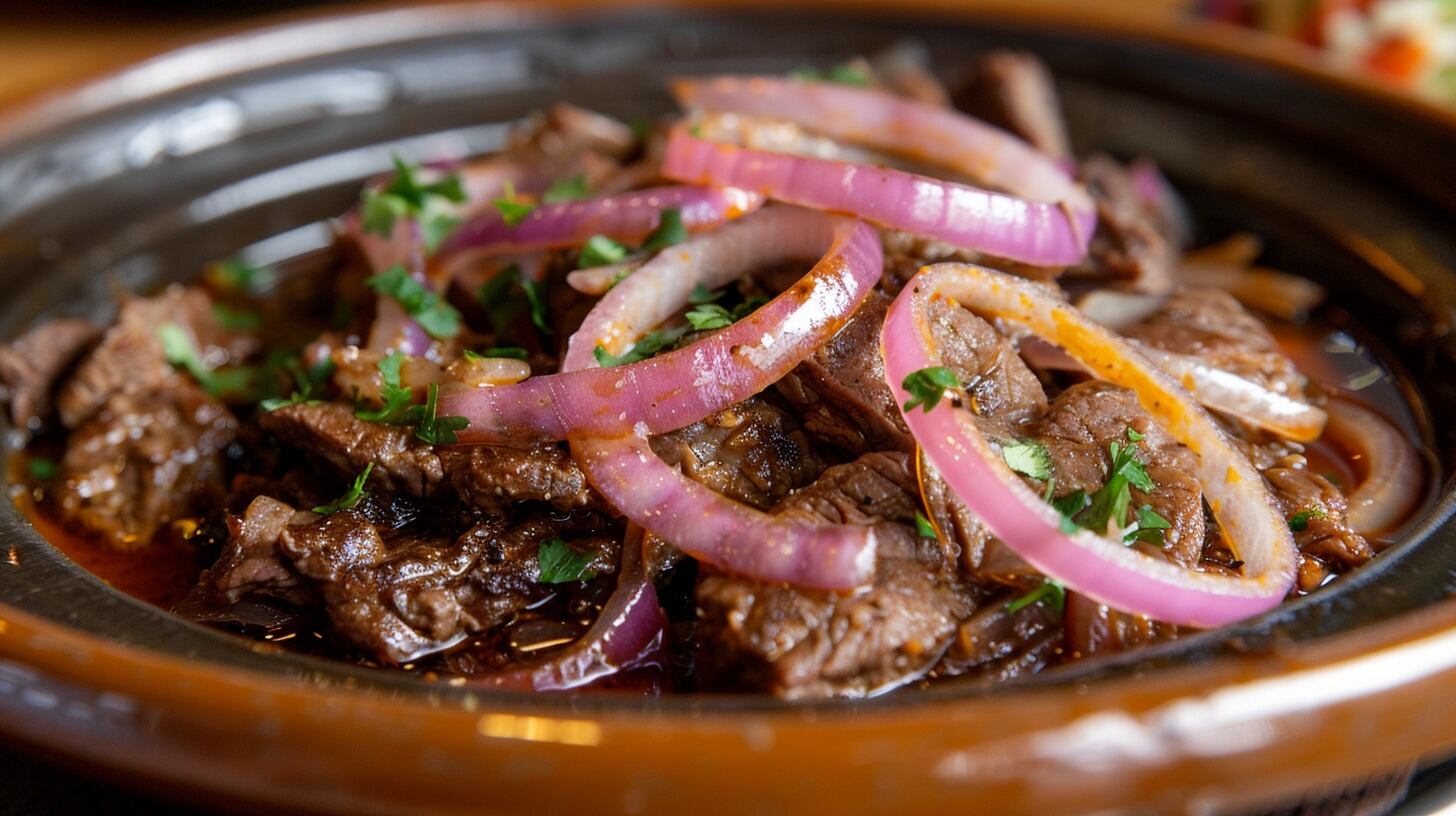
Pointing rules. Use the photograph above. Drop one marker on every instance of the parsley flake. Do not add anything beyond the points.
(439, 319)
(560, 564)
(308, 384)
(239, 276)
(437, 430)
(497, 352)
(923, 527)
(928, 386)
(513, 211)
(599, 250)
(567, 189)
(1299, 522)
(670, 230)
(646, 346)
(1028, 457)
(180, 352)
(395, 399)
(1110, 504)
(40, 468)
(405, 197)
(351, 496)
(233, 319)
(701, 294)
(1051, 592)
(1151, 528)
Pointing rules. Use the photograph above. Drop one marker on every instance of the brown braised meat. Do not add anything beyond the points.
(398, 595)
(1134, 240)
(1014, 90)
(250, 563)
(145, 459)
(798, 643)
(32, 366)
(998, 643)
(752, 452)
(491, 479)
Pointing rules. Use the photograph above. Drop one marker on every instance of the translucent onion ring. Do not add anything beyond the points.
(1391, 487)
(1102, 569)
(676, 389)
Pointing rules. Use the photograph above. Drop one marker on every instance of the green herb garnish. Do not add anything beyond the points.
(40, 468)
(670, 230)
(242, 320)
(498, 352)
(1151, 527)
(1028, 457)
(923, 527)
(439, 319)
(351, 496)
(844, 74)
(437, 430)
(599, 250)
(1051, 592)
(513, 211)
(236, 275)
(928, 386)
(179, 351)
(701, 294)
(560, 564)
(648, 345)
(395, 399)
(308, 384)
(567, 189)
(1109, 505)
(405, 197)
(1299, 522)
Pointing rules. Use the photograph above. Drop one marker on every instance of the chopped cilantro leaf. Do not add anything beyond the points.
(239, 276)
(308, 384)
(1134, 436)
(928, 386)
(1051, 592)
(233, 319)
(437, 430)
(567, 189)
(1069, 506)
(505, 352)
(847, 74)
(513, 211)
(670, 230)
(41, 468)
(709, 316)
(599, 250)
(395, 399)
(923, 527)
(1108, 506)
(702, 294)
(648, 345)
(560, 564)
(438, 318)
(536, 298)
(351, 496)
(405, 197)
(1299, 522)
(1151, 527)
(1028, 457)
(179, 351)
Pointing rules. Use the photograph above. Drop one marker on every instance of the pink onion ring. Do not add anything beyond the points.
(676, 389)
(1392, 484)
(706, 525)
(926, 133)
(1103, 569)
(627, 633)
(629, 217)
(1241, 397)
(1034, 233)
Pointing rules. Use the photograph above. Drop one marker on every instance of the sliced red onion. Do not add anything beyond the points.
(926, 133)
(1393, 479)
(676, 389)
(1240, 397)
(1270, 291)
(628, 217)
(627, 634)
(1104, 569)
(393, 328)
(1008, 227)
(596, 280)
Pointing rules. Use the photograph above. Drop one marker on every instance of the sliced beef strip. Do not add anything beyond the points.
(1324, 532)
(130, 358)
(997, 644)
(797, 643)
(32, 366)
(1078, 429)
(399, 595)
(840, 391)
(999, 386)
(1134, 240)
(250, 563)
(751, 452)
(1094, 628)
(1015, 91)
(145, 459)
(489, 478)
(1211, 325)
